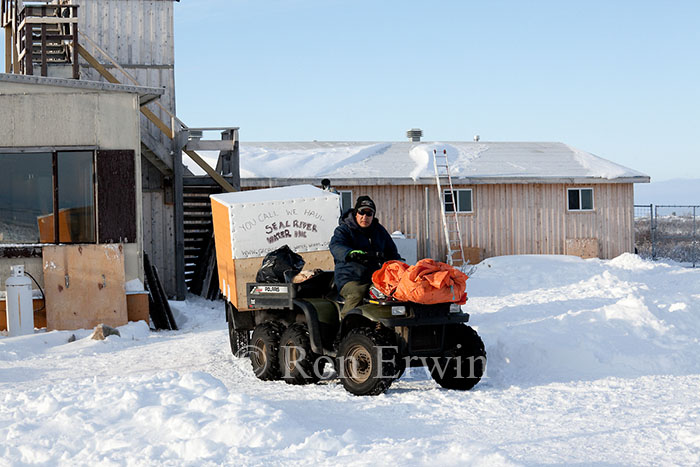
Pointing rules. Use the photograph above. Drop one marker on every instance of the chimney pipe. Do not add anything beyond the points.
(414, 134)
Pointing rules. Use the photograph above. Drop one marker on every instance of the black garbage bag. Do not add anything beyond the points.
(280, 265)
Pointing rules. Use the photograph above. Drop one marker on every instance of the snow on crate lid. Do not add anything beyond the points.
(265, 195)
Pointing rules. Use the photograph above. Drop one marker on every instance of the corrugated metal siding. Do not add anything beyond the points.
(510, 219)
(138, 35)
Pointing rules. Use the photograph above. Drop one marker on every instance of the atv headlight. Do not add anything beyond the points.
(398, 310)
(455, 308)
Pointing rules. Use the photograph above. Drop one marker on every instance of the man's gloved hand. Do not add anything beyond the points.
(358, 256)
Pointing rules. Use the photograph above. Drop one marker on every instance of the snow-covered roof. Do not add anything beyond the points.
(409, 162)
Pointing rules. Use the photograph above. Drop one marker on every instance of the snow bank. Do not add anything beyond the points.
(590, 362)
(559, 318)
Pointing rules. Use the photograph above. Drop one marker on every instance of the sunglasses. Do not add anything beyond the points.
(366, 212)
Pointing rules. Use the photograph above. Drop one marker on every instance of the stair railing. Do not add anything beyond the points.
(176, 125)
(52, 22)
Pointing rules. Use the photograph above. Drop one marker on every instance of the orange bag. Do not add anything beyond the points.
(387, 278)
(431, 281)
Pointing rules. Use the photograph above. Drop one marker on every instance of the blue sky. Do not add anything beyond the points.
(620, 79)
(617, 78)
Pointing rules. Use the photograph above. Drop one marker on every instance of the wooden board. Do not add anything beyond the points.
(116, 196)
(39, 314)
(474, 254)
(137, 306)
(84, 286)
(246, 269)
(583, 247)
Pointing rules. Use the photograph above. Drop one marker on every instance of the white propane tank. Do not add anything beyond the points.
(20, 309)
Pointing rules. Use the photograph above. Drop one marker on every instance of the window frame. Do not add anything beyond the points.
(580, 199)
(55, 183)
(456, 191)
(343, 193)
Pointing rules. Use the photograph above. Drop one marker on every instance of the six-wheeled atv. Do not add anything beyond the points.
(297, 329)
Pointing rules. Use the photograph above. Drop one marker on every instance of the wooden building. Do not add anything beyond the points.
(127, 42)
(512, 198)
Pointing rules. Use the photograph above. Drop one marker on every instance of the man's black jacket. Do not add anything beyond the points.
(374, 240)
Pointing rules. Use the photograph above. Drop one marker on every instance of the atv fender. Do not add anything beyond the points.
(242, 320)
(312, 313)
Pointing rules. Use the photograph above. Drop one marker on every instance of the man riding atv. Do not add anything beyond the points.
(360, 244)
(298, 327)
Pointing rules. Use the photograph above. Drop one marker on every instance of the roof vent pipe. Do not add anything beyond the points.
(476, 138)
(414, 134)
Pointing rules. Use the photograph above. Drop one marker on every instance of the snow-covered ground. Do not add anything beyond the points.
(590, 362)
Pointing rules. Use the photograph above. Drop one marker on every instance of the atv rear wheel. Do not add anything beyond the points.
(298, 363)
(367, 362)
(264, 350)
(239, 339)
(464, 362)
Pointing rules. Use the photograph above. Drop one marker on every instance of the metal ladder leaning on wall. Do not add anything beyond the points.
(450, 221)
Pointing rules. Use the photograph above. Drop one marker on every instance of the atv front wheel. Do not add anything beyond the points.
(367, 362)
(264, 350)
(464, 362)
(298, 363)
(239, 339)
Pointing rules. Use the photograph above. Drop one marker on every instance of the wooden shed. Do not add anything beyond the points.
(511, 197)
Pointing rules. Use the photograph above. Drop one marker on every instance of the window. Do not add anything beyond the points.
(345, 200)
(580, 199)
(459, 199)
(30, 208)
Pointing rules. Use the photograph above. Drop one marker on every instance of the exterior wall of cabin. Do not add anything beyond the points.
(138, 35)
(42, 117)
(510, 219)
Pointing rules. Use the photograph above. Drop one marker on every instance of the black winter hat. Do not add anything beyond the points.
(365, 202)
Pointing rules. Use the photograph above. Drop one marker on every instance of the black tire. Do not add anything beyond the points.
(264, 350)
(464, 361)
(298, 363)
(239, 339)
(367, 362)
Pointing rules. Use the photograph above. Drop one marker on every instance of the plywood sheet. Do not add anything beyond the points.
(583, 247)
(246, 270)
(473, 254)
(84, 286)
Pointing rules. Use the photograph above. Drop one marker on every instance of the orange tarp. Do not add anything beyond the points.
(428, 281)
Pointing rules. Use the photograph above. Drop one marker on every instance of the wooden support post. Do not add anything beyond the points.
(28, 67)
(180, 286)
(44, 52)
(15, 48)
(8, 49)
(76, 65)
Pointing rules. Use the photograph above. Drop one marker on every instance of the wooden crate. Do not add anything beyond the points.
(137, 306)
